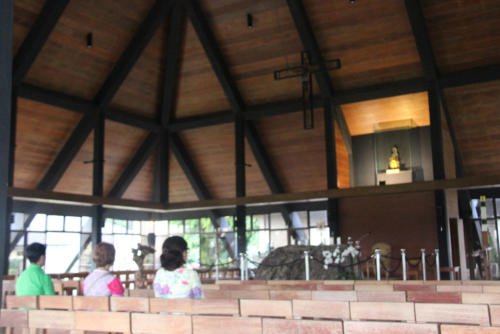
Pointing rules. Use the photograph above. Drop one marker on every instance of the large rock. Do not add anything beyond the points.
(287, 263)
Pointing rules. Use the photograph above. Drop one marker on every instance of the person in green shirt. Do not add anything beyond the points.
(34, 281)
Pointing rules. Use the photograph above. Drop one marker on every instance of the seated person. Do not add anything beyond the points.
(33, 281)
(101, 282)
(173, 280)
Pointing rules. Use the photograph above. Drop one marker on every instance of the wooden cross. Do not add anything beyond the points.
(305, 71)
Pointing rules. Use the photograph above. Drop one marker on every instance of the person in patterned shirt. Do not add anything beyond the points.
(173, 279)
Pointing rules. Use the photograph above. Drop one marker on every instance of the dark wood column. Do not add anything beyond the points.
(98, 178)
(331, 168)
(239, 127)
(6, 33)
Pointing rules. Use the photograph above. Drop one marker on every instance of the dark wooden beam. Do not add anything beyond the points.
(384, 90)
(424, 47)
(470, 182)
(436, 102)
(45, 96)
(135, 165)
(267, 169)
(310, 44)
(176, 34)
(132, 53)
(214, 55)
(188, 167)
(331, 167)
(6, 33)
(471, 76)
(241, 216)
(194, 178)
(36, 38)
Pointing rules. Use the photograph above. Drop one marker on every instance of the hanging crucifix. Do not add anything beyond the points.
(305, 70)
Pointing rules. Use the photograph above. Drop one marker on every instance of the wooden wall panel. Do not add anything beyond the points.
(25, 14)
(361, 117)
(343, 176)
(141, 92)
(464, 34)
(199, 90)
(372, 38)
(474, 110)
(66, 65)
(42, 131)
(212, 151)
(254, 54)
(78, 177)
(142, 187)
(297, 154)
(403, 221)
(121, 144)
(180, 189)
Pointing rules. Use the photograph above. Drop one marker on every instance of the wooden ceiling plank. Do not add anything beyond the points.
(215, 57)
(133, 51)
(38, 35)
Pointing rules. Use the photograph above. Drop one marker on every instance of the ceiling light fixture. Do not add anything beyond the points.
(249, 21)
(89, 40)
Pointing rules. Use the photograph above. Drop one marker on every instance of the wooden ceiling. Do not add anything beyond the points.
(373, 39)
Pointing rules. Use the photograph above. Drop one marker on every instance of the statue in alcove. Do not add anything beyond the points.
(394, 159)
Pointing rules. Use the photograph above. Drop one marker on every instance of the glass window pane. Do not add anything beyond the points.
(193, 241)
(260, 222)
(147, 227)
(176, 227)
(207, 244)
(38, 223)
(85, 263)
(489, 208)
(257, 247)
(108, 238)
(36, 237)
(227, 241)
(227, 221)
(320, 236)
(73, 224)
(302, 236)
(134, 227)
(108, 226)
(277, 221)
(207, 226)
(119, 226)
(158, 246)
(55, 223)
(248, 221)
(16, 256)
(62, 248)
(17, 221)
(123, 246)
(279, 239)
(192, 226)
(161, 227)
(318, 218)
(86, 224)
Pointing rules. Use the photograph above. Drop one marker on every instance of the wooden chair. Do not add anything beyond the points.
(371, 266)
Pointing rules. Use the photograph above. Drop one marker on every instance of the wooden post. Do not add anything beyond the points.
(6, 33)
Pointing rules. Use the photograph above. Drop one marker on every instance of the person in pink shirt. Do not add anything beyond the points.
(101, 282)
